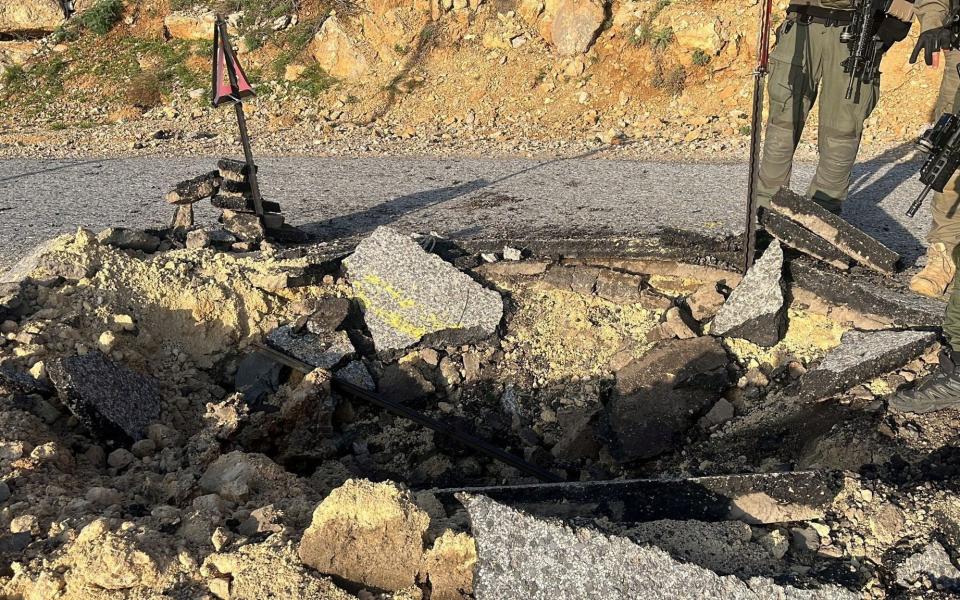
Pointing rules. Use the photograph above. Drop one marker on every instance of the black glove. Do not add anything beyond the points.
(891, 31)
(931, 42)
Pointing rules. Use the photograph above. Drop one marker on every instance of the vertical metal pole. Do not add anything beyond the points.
(248, 156)
(763, 56)
(241, 119)
(754, 168)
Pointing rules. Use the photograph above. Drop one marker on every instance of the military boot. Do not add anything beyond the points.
(939, 392)
(933, 280)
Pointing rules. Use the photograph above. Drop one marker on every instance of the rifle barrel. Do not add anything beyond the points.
(919, 201)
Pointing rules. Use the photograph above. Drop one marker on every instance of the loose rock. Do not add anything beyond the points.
(755, 311)
(407, 293)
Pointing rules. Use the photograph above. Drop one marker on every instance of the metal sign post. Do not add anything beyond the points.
(235, 89)
(759, 76)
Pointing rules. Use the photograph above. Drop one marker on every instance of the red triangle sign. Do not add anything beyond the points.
(229, 80)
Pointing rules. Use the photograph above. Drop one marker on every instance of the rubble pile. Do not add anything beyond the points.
(188, 419)
(228, 189)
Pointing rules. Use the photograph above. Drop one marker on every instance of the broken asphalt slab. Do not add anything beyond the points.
(879, 300)
(833, 229)
(803, 240)
(522, 557)
(761, 498)
(113, 402)
(862, 355)
(323, 350)
(933, 564)
(755, 310)
(406, 293)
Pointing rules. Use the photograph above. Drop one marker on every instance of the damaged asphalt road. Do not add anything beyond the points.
(459, 198)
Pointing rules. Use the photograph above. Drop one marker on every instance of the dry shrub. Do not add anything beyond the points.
(145, 91)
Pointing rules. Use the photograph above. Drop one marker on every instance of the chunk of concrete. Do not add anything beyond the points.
(235, 170)
(129, 239)
(862, 355)
(194, 190)
(329, 314)
(113, 402)
(242, 203)
(881, 301)
(659, 396)
(755, 310)
(319, 350)
(247, 227)
(844, 236)
(802, 239)
(370, 534)
(932, 564)
(520, 556)
(407, 293)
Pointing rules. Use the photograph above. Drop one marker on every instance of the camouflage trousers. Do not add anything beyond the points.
(805, 66)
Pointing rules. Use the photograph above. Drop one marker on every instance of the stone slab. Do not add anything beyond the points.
(844, 236)
(881, 300)
(115, 403)
(323, 351)
(236, 170)
(799, 238)
(756, 310)
(242, 204)
(246, 227)
(407, 293)
(194, 190)
(863, 355)
(356, 373)
(520, 556)
(129, 239)
(233, 186)
(13, 379)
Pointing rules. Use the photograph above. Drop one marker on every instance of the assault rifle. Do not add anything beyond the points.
(866, 49)
(942, 143)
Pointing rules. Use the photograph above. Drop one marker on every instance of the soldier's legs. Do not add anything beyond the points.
(944, 233)
(951, 317)
(792, 89)
(946, 221)
(841, 122)
(941, 391)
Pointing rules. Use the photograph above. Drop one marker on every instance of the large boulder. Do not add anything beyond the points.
(574, 24)
(338, 52)
(369, 534)
(15, 53)
(392, 26)
(190, 25)
(35, 17)
(660, 395)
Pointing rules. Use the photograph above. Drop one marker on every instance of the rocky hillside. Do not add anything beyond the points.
(670, 72)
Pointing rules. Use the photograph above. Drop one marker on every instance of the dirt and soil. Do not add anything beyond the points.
(661, 79)
(289, 492)
(243, 499)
